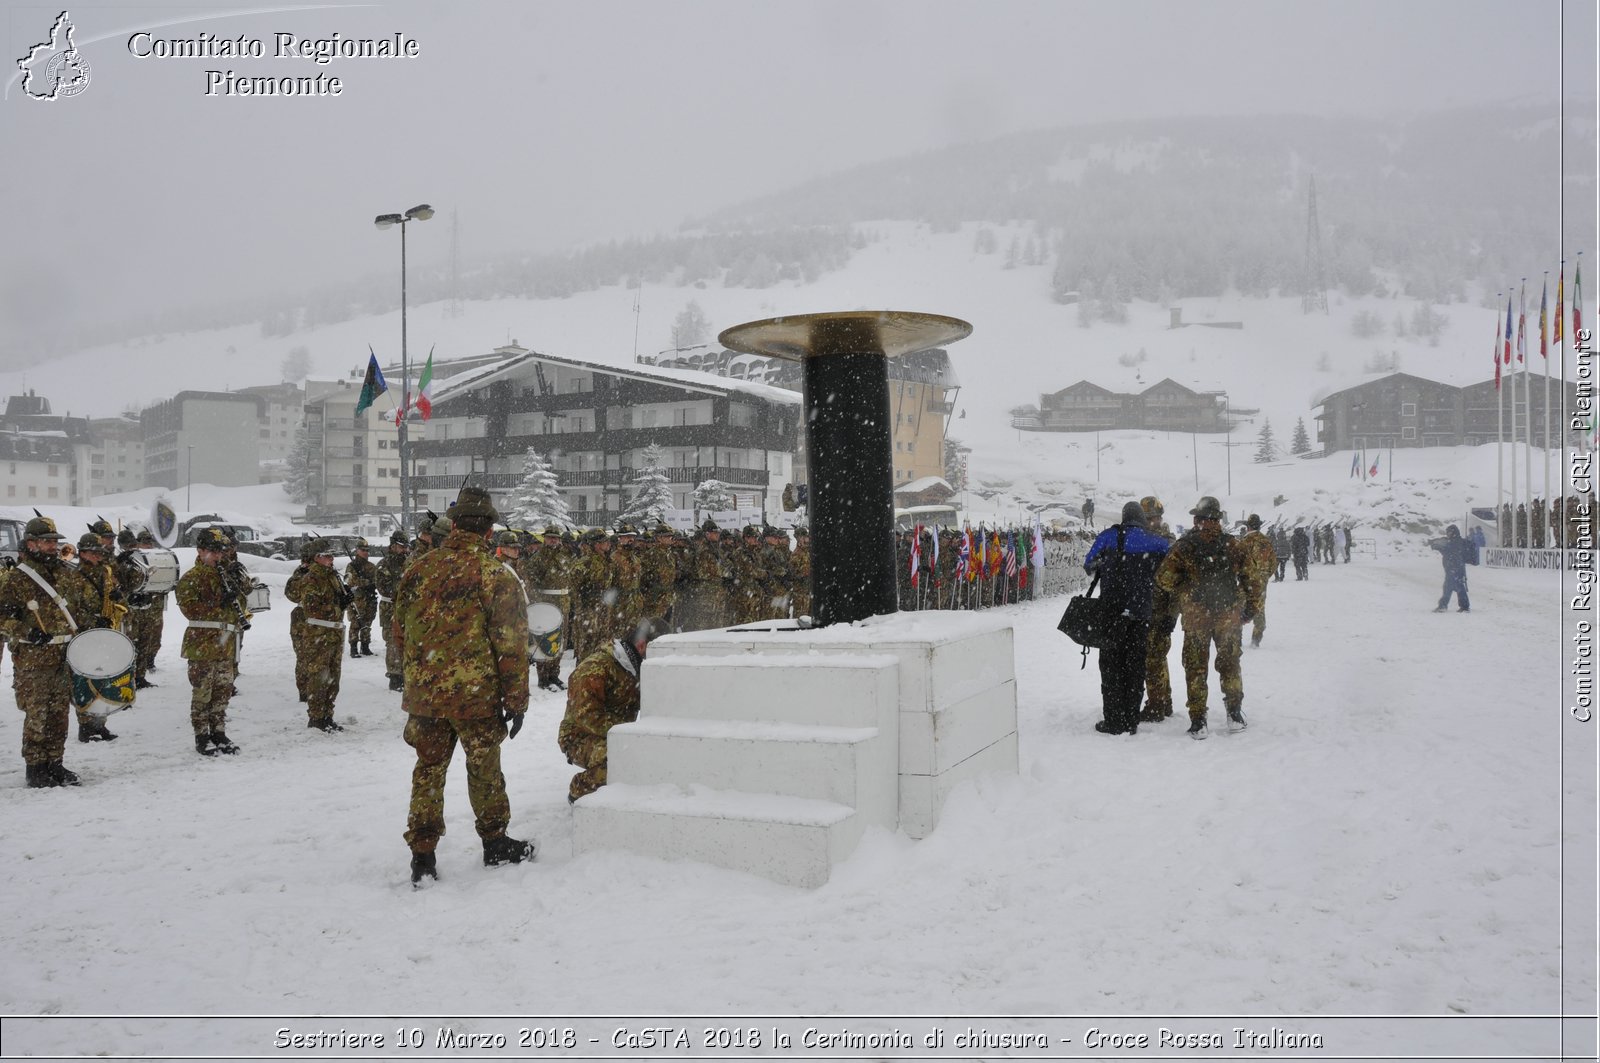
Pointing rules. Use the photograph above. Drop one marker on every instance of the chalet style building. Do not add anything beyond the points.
(594, 422)
(1166, 406)
(1401, 410)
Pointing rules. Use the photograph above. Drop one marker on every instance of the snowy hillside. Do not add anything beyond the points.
(1023, 344)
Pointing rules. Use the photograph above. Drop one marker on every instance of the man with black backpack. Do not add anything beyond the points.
(1218, 589)
(1124, 558)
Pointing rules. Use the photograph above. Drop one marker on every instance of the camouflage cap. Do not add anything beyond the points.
(320, 548)
(1253, 521)
(664, 528)
(398, 537)
(440, 527)
(593, 535)
(770, 532)
(508, 538)
(359, 544)
(1152, 506)
(710, 526)
(626, 529)
(474, 502)
(101, 526)
(146, 538)
(752, 531)
(210, 539)
(125, 537)
(90, 541)
(552, 531)
(802, 532)
(1208, 508)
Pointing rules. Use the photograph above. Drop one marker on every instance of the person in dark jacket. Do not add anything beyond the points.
(1125, 557)
(1455, 552)
(1299, 548)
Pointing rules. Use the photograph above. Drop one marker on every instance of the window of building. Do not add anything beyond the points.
(55, 492)
(33, 492)
(1408, 432)
(265, 433)
(383, 500)
(54, 470)
(11, 490)
(1408, 409)
(741, 415)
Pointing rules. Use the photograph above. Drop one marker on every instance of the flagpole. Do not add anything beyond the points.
(1544, 349)
(1499, 432)
(1513, 382)
(1527, 411)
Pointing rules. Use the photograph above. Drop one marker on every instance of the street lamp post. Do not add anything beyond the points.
(188, 481)
(421, 212)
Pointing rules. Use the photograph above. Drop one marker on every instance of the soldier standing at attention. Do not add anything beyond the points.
(43, 603)
(545, 568)
(94, 565)
(152, 621)
(462, 627)
(211, 643)
(1163, 619)
(1265, 560)
(361, 580)
(386, 579)
(1217, 590)
(603, 692)
(800, 570)
(321, 601)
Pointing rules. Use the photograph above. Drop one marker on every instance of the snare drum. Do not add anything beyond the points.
(259, 600)
(101, 661)
(160, 570)
(546, 619)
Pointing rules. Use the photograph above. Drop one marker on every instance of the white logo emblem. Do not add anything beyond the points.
(54, 69)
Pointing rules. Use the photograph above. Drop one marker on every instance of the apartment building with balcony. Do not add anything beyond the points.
(1402, 410)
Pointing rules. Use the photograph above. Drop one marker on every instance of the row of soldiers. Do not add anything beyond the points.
(1568, 522)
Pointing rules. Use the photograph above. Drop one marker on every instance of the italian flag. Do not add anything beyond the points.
(424, 401)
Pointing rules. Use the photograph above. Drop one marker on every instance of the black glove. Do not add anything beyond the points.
(39, 637)
(1248, 615)
(513, 720)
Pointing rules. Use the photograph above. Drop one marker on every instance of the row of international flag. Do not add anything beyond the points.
(980, 554)
(1502, 345)
(373, 385)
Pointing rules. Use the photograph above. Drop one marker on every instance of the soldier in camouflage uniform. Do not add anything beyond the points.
(659, 563)
(546, 567)
(800, 572)
(210, 602)
(386, 579)
(1265, 560)
(297, 623)
(1218, 589)
(361, 580)
(749, 577)
(1163, 619)
(95, 565)
(321, 601)
(626, 573)
(141, 615)
(589, 573)
(460, 619)
(705, 586)
(43, 603)
(603, 692)
(778, 581)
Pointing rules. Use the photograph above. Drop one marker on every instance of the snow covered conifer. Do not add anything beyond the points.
(298, 468)
(652, 496)
(536, 502)
(714, 496)
(1301, 442)
(1266, 446)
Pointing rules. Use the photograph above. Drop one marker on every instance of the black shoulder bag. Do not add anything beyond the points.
(1087, 620)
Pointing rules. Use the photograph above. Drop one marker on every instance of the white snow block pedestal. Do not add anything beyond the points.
(770, 749)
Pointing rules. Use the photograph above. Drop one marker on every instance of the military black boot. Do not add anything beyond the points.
(202, 746)
(1197, 728)
(142, 683)
(506, 850)
(326, 726)
(366, 649)
(423, 865)
(222, 744)
(397, 683)
(39, 776)
(95, 732)
(354, 651)
(61, 775)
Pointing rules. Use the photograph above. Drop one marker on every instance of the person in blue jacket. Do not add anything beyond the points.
(1456, 553)
(1125, 557)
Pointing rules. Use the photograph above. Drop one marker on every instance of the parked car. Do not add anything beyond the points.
(10, 540)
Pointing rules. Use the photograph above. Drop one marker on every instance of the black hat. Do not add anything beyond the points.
(1253, 521)
(398, 537)
(473, 502)
(1208, 508)
(125, 538)
(1133, 513)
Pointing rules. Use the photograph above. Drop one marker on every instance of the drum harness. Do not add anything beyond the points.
(55, 640)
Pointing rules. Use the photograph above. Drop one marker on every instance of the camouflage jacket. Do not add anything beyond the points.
(18, 622)
(1262, 554)
(388, 571)
(104, 577)
(320, 595)
(203, 595)
(1210, 577)
(602, 692)
(546, 568)
(361, 577)
(461, 625)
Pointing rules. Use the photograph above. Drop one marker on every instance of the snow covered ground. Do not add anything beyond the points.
(1384, 839)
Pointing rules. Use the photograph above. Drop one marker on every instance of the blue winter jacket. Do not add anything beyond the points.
(1127, 580)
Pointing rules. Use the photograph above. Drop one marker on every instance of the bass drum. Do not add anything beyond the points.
(160, 569)
(101, 662)
(546, 619)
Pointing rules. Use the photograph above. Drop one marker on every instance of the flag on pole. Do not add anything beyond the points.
(964, 556)
(1561, 285)
(374, 384)
(1522, 325)
(994, 555)
(1011, 554)
(980, 559)
(933, 565)
(916, 556)
(1577, 298)
(1494, 351)
(1544, 302)
(424, 402)
(1375, 459)
(1506, 355)
(1038, 550)
(1355, 457)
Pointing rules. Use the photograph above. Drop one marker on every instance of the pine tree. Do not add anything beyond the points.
(536, 502)
(298, 468)
(714, 496)
(1301, 443)
(1266, 448)
(652, 497)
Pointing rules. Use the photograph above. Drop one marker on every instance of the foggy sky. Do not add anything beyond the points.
(549, 123)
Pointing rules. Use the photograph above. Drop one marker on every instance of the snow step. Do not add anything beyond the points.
(830, 690)
(791, 840)
(852, 766)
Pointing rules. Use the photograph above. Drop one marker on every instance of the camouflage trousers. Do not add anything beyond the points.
(208, 704)
(144, 628)
(1200, 630)
(318, 663)
(435, 742)
(547, 671)
(392, 665)
(1157, 679)
(1258, 626)
(588, 753)
(43, 694)
(362, 612)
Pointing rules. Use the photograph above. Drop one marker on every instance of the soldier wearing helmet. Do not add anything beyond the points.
(43, 603)
(321, 599)
(386, 580)
(1163, 619)
(209, 602)
(95, 564)
(1265, 559)
(546, 570)
(361, 580)
(148, 613)
(1217, 589)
